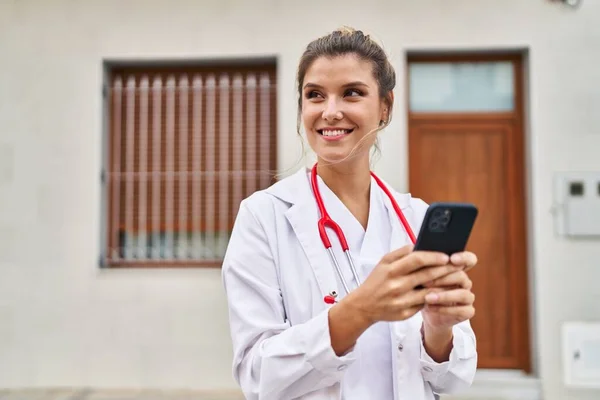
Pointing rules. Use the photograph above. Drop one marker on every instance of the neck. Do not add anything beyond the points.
(350, 182)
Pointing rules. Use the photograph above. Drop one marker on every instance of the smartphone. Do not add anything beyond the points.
(446, 228)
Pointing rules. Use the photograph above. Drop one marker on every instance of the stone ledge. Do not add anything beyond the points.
(116, 394)
(501, 385)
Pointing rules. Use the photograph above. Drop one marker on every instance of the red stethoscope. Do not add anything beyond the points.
(326, 222)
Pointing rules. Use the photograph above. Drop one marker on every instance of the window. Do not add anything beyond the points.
(461, 86)
(184, 146)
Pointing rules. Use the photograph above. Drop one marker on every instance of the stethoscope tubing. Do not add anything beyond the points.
(326, 221)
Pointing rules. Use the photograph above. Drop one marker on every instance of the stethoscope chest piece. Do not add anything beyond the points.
(331, 297)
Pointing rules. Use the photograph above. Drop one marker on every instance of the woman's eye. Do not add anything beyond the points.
(313, 94)
(353, 92)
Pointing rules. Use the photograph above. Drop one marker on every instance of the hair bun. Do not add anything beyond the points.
(346, 30)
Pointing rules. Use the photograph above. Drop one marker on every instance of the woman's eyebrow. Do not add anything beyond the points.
(355, 83)
(312, 85)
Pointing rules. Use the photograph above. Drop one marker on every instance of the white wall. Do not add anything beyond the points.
(65, 322)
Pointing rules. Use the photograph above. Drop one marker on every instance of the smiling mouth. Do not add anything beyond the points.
(334, 132)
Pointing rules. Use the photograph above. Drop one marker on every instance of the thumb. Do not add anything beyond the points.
(398, 253)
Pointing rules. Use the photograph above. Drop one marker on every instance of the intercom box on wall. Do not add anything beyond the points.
(577, 203)
(581, 354)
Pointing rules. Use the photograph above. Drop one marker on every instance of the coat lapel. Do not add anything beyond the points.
(303, 217)
(399, 237)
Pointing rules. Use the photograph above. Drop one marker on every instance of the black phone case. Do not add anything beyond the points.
(446, 227)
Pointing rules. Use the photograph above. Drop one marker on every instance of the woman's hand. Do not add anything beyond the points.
(449, 303)
(450, 300)
(389, 294)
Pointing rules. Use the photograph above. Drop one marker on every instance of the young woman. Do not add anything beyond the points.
(312, 323)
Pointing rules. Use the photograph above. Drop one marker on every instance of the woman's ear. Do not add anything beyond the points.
(387, 105)
(384, 115)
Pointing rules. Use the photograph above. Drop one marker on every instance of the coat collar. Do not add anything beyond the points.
(303, 216)
(296, 190)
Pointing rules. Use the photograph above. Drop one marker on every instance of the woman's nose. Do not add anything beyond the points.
(332, 110)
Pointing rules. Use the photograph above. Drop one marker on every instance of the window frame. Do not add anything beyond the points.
(204, 67)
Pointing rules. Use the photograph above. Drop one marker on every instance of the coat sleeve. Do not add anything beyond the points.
(458, 372)
(271, 359)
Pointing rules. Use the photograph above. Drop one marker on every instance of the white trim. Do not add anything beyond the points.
(501, 385)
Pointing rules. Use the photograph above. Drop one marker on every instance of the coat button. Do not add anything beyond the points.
(400, 347)
(342, 367)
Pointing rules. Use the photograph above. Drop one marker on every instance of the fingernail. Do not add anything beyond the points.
(432, 297)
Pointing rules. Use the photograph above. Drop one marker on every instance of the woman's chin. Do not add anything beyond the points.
(337, 157)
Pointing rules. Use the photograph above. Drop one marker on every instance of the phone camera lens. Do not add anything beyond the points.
(440, 219)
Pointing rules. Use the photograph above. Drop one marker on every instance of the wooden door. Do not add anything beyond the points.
(478, 158)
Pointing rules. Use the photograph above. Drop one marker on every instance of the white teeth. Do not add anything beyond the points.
(336, 132)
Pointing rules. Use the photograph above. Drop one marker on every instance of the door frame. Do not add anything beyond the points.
(518, 233)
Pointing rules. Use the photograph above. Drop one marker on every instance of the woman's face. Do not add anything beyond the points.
(340, 107)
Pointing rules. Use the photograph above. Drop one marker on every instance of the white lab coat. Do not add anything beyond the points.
(276, 273)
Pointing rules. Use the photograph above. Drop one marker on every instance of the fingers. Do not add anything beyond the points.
(407, 305)
(417, 260)
(451, 297)
(406, 313)
(461, 313)
(458, 278)
(430, 274)
(397, 254)
(465, 259)
(411, 299)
